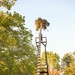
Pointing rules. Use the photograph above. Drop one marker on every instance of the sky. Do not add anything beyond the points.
(61, 16)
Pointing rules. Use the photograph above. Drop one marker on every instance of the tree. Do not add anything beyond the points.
(7, 3)
(53, 59)
(17, 52)
(69, 70)
(53, 62)
(41, 22)
(7, 24)
(68, 63)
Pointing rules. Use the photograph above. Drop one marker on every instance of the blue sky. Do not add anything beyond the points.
(60, 14)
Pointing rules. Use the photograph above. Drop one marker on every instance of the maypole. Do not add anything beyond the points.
(41, 24)
(39, 51)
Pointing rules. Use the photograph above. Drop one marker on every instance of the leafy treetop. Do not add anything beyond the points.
(42, 22)
(7, 3)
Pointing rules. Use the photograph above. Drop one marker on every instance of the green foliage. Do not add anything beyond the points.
(68, 64)
(8, 23)
(52, 58)
(17, 53)
(68, 60)
(7, 3)
(70, 70)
